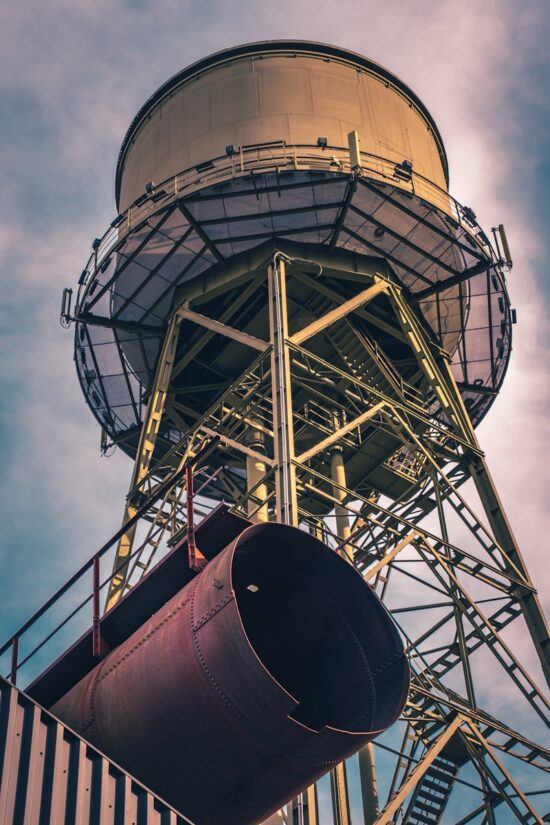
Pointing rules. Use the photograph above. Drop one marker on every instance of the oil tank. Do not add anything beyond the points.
(228, 701)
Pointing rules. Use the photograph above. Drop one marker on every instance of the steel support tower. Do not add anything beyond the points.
(436, 544)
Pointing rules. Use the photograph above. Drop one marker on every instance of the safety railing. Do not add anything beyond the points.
(276, 157)
(13, 643)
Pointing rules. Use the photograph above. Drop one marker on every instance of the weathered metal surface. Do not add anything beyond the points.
(50, 776)
(162, 582)
(227, 702)
(287, 92)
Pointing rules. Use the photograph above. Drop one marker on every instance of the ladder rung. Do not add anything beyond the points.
(436, 773)
(416, 816)
(432, 786)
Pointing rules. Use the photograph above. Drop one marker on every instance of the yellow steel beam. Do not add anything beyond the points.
(323, 289)
(340, 312)
(341, 432)
(393, 806)
(450, 401)
(193, 351)
(236, 445)
(146, 447)
(375, 569)
(223, 329)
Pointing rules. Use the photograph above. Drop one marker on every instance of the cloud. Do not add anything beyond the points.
(74, 75)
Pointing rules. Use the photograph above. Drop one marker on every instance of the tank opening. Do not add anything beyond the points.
(319, 630)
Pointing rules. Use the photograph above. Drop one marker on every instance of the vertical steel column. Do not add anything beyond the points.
(283, 425)
(369, 784)
(97, 643)
(338, 475)
(147, 441)
(311, 806)
(529, 601)
(283, 430)
(340, 799)
(255, 472)
(367, 766)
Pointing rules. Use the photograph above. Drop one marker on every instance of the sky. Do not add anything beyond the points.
(73, 74)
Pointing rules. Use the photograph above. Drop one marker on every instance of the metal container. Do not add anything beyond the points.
(229, 700)
(278, 142)
(278, 92)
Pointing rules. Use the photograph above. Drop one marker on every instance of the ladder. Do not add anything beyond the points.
(431, 795)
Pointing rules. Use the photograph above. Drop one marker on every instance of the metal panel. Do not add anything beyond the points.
(48, 774)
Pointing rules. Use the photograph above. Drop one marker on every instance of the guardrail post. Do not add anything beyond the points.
(97, 645)
(14, 658)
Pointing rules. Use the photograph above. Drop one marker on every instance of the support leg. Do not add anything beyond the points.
(283, 431)
(148, 437)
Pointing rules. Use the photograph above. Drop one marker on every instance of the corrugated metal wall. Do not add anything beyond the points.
(49, 776)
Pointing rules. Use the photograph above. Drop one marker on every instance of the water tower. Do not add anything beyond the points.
(291, 320)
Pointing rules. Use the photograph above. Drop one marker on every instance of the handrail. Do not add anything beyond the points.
(275, 156)
(92, 563)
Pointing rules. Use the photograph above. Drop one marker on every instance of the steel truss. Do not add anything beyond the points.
(383, 464)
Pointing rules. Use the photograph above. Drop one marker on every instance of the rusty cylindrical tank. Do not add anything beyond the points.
(270, 667)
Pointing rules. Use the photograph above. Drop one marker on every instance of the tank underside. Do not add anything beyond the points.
(278, 142)
(128, 289)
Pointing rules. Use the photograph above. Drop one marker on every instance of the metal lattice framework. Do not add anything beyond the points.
(318, 331)
(201, 219)
(346, 419)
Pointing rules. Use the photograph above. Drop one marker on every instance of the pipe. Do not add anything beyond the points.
(255, 472)
(227, 702)
(367, 763)
(338, 475)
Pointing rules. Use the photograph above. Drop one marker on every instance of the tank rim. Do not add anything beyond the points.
(307, 47)
(330, 558)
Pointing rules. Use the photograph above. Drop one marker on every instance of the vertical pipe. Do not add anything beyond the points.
(255, 472)
(283, 430)
(338, 476)
(367, 765)
(298, 810)
(369, 784)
